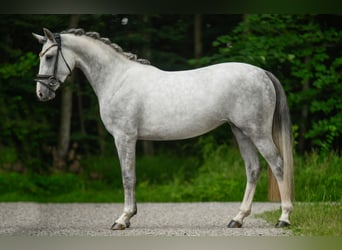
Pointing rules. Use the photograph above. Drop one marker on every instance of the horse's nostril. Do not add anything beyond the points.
(40, 94)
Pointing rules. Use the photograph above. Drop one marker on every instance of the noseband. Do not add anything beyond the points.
(50, 81)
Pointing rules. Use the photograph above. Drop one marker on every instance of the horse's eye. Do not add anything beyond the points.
(49, 57)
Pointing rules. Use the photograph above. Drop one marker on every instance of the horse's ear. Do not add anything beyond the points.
(40, 38)
(49, 35)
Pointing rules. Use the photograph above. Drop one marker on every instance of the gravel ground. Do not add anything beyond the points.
(157, 219)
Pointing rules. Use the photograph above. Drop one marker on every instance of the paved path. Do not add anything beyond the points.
(170, 219)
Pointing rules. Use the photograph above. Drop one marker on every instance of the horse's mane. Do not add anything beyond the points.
(117, 48)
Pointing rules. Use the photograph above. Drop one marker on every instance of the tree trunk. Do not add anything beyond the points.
(65, 118)
(80, 106)
(198, 47)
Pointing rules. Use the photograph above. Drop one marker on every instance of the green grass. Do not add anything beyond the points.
(312, 219)
(318, 177)
(217, 175)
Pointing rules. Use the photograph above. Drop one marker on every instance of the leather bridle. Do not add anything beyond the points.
(50, 81)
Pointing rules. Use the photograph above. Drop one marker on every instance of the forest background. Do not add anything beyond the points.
(60, 152)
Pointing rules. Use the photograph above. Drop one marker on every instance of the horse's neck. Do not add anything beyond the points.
(102, 66)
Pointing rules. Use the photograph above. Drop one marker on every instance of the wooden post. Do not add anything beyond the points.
(273, 189)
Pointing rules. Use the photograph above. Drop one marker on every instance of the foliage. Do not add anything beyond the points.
(318, 177)
(37, 187)
(23, 125)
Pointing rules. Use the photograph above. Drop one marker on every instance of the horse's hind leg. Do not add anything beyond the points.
(269, 151)
(252, 164)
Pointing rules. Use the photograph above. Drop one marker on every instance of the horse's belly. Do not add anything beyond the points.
(164, 134)
(178, 126)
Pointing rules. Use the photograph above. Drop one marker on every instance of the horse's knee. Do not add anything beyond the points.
(128, 181)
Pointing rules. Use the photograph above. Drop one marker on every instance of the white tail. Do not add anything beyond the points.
(282, 134)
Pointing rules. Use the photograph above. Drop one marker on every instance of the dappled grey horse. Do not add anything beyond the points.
(140, 101)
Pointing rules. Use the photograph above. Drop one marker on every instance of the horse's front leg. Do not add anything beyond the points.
(125, 145)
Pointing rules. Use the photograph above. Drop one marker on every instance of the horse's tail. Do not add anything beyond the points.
(282, 133)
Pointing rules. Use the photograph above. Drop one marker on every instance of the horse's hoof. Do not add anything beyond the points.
(234, 224)
(282, 224)
(118, 226)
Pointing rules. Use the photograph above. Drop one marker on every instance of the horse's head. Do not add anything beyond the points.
(55, 65)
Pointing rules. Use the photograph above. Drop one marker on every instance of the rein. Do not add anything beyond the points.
(52, 80)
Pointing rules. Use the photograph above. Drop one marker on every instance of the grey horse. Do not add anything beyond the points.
(140, 101)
